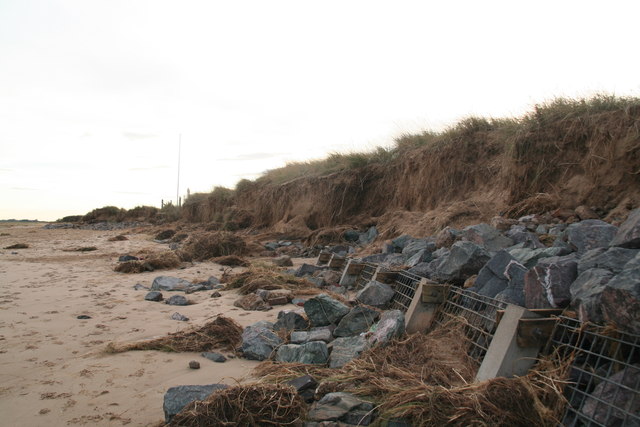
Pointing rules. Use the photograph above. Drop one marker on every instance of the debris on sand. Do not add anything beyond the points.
(207, 245)
(221, 333)
(152, 261)
(18, 246)
(231, 261)
(245, 405)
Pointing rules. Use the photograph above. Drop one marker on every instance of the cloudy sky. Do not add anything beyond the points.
(95, 93)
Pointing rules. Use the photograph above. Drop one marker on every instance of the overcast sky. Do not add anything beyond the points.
(94, 94)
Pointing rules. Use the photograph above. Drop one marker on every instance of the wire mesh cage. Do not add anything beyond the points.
(404, 287)
(604, 381)
(478, 313)
(365, 276)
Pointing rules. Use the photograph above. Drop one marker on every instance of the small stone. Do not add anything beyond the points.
(139, 287)
(179, 317)
(83, 317)
(153, 296)
(177, 300)
(216, 357)
(194, 364)
(216, 295)
(278, 300)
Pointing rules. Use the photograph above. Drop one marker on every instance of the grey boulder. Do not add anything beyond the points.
(464, 260)
(390, 326)
(375, 294)
(628, 236)
(314, 352)
(176, 398)
(322, 310)
(345, 349)
(168, 283)
(358, 320)
(259, 342)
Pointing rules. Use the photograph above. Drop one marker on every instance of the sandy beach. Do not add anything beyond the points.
(53, 368)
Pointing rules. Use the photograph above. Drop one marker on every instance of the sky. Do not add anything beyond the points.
(98, 97)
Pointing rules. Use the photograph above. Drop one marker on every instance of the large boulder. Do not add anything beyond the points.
(612, 259)
(314, 352)
(176, 398)
(375, 294)
(530, 257)
(446, 237)
(628, 236)
(487, 236)
(416, 245)
(514, 292)
(464, 260)
(291, 321)
(322, 333)
(307, 270)
(419, 257)
(358, 320)
(520, 235)
(322, 310)
(258, 342)
(343, 408)
(586, 291)
(547, 284)
(168, 283)
(368, 237)
(621, 299)
(345, 349)
(589, 234)
(390, 326)
(618, 391)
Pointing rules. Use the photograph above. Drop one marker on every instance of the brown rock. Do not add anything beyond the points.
(194, 364)
(278, 300)
(470, 281)
(584, 212)
(445, 238)
(501, 223)
(563, 213)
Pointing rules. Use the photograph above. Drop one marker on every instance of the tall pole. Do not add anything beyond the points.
(178, 188)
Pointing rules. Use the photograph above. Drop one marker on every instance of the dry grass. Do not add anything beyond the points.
(427, 380)
(245, 405)
(265, 277)
(206, 245)
(221, 333)
(152, 261)
(231, 260)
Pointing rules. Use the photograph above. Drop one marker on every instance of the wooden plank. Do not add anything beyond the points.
(354, 268)
(386, 276)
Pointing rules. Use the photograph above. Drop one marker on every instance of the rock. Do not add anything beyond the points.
(252, 302)
(153, 296)
(519, 235)
(618, 391)
(548, 284)
(283, 261)
(168, 283)
(628, 236)
(421, 256)
(329, 277)
(563, 213)
(390, 326)
(368, 237)
(316, 334)
(140, 287)
(165, 234)
(416, 245)
(346, 349)
(488, 237)
(298, 301)
(314, 353)
(621, 300)
(358, 320)
(351, 235)
(177, 300)
(465, 259)
(259, 342)
(375, 294)
(612, 259)
(290, 321)
(446, 237)
(179, 317)
(213, 356)
(83, 317)
(337, 407)
(322, 310)
(394, 260)
(589, 234)
(271, 246)
(306, 270)
(305, 386)
(530, 257)
(586, 291)
(584, 212)
(514, 292)
(216, 294)
(125, 258)
(176, 398)
(501, 223)
(194, 364)
(277, 300)
(400, 242)
(376, 258)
